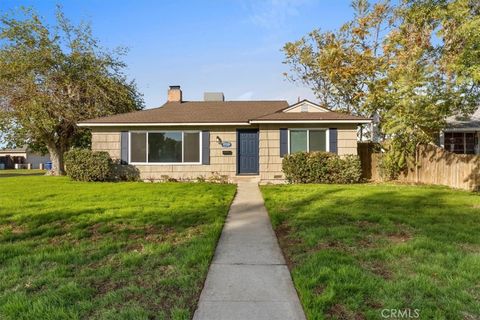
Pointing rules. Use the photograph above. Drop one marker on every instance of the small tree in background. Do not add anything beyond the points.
(411, 65)
(53, 77)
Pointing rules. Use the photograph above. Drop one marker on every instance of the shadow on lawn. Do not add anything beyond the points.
(58, 222)
(354, 250)
(299, 205)
(19, 174)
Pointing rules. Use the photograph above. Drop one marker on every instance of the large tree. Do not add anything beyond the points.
(410, 64)
(342, 66)
(52, 77)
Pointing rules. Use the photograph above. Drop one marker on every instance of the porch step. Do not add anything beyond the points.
(245, 179)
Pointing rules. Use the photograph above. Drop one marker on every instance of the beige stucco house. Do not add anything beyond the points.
(191, 139)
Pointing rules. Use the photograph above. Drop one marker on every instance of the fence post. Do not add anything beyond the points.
(416, 163)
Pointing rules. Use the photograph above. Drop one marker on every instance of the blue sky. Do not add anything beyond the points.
(229, 46)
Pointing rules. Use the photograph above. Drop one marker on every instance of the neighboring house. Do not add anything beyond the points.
(189, 139)
(462, 134)
(22, 156)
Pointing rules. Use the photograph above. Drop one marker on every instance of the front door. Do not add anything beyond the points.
(247, 157)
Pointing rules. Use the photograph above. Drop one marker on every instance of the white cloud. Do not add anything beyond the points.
(273, 14)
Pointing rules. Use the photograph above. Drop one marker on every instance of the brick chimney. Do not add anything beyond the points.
(174, 94)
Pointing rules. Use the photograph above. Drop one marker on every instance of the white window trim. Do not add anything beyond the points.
(327, 137)
(165, 163)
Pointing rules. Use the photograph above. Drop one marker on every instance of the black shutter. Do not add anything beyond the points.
(205, 147)
(124, 147)
(333, 140)
(283, 142)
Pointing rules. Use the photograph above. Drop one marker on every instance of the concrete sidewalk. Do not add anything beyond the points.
(248, 278)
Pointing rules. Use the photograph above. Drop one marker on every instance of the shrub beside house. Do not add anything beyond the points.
(321, 167)
(87, 165)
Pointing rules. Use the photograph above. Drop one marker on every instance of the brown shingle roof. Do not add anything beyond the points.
(220, 112)
(14, 150)
(312, 116)
(198, 112)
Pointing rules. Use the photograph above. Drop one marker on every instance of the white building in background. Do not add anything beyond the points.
(462, 134)
(22, 157)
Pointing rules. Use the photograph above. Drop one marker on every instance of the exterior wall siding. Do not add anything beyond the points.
(304, 107)
(270, 160)
(108, 139)
(347, 140)
(36, 159)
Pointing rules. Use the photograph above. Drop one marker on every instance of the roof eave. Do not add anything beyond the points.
(311, 121)
(461, 129)
(170, 124)
(161, 124)
(10, 151)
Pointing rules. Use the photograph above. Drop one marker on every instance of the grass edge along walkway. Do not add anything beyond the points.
(72, 250)
(355, 250)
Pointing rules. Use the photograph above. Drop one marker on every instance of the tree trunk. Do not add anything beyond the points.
(56, 156)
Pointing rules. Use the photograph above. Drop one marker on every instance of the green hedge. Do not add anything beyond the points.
(122, 172)
(321, 167)
(87, 165)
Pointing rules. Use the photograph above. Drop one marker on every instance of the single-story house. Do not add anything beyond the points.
(191, 139)
(462, 134)
(23, 157)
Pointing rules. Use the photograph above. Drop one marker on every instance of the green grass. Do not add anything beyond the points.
(72, 250)
(356, 250)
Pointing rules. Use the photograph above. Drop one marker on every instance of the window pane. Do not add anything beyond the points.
(138, 147)
(318, 140)
(458, 140)
(191, 152)
(449, 141)
(165, 147)
(298, 140)
(455, 142)
(469, 142)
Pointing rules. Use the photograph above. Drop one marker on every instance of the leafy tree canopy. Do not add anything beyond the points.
(52, 77)
(409, 64)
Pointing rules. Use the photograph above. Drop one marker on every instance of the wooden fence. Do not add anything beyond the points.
(369, 160)
(434, 166)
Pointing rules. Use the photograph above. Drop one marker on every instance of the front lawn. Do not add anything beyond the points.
(72, 250)
(359, 249)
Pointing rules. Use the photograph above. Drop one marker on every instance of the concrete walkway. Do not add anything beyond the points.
(248, 278)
